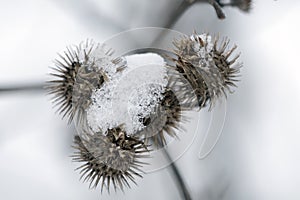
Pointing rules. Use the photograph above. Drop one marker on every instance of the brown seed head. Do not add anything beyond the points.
(110, 159)
(206, 67)
(164, 120)
(77, 74)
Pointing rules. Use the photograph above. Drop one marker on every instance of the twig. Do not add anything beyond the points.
(33, 87)
(185, 4)
(218, 9)
(181, 186)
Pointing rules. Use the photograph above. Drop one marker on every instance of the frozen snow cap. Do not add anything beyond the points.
(129, 95)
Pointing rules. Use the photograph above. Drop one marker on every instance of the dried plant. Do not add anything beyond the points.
(112, 158)
(201, 72)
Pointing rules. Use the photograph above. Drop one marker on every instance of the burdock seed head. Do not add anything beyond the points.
(79, 71)
(109, 159)
(206, 67)
(163, 120)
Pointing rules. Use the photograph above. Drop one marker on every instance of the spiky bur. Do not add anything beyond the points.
(163, 120)
(111, 159)
(79, 71)
(206, 67)
(153, 107)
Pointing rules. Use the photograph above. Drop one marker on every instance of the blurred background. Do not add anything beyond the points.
(257, 157)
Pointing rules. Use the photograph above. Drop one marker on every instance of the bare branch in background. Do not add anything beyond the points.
(243, 5)
(17, 88)
(218, 9)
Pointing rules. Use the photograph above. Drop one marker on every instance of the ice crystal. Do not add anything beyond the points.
(142, 103)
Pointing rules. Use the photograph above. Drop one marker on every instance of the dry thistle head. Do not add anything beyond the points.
(77, 73)
(110, 159)
(164, 120)
(206, 67)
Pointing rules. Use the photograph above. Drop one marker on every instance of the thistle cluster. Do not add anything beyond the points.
(113, 140)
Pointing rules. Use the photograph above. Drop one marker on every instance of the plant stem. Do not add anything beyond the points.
(181, 186)
(33, 87)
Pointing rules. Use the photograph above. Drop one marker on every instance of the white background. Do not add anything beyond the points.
(257, 157)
